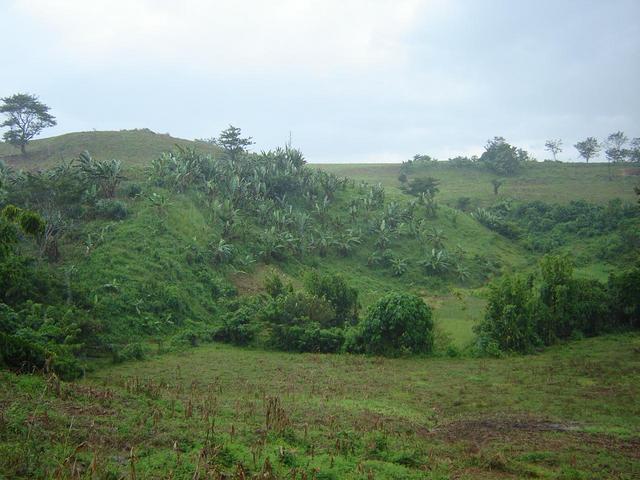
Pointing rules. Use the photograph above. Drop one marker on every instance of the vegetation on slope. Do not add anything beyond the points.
(102, 267)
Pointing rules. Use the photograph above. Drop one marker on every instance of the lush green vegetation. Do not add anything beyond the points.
(568, 413)
(110, 258)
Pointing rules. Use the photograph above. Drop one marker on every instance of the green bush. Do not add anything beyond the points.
(132, 351)
(133, 190)
(110, 209)
(298, 308)
(335, 290)
(525, 313)
(624, 293)
(399, 323)
(309, 337)
(237, 327)
(509, 323)
(26, 356)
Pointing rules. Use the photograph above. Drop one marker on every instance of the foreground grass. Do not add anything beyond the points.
(571, 412)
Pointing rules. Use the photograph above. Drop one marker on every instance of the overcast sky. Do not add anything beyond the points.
(353, 80)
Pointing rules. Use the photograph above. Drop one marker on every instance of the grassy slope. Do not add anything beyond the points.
(133, 147)
(570, 413)
(548, 182)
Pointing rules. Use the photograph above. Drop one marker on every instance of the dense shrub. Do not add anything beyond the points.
(274, 285)
(546, 226)
(398, 323)
(309, 337)
(21, 279)
(624, 291)
(509, 323)
(342, 298)
(502, 158)
(527, 312)
(131, 351)
(110, 209)
(297, 308)
(133, 190)
(463, 203)
(238, 327)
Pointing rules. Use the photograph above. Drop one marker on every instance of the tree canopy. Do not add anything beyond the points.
(232, 141)
(26, 117)
(503, 158)
(588, 148)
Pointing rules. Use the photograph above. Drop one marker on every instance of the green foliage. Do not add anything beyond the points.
(133, 190)
(524, 313)
(131, 351)
(426, 185)
(110, 209)
(274, 285)
(342, 297)
(502, 158)
(26, 117)
(239, 327)
(309, 337)
(297, 308)
(624, 291)
(397, 324)
(588, 148)
(232, 142)
(106, 175)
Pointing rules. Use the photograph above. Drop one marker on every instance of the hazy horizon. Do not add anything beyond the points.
(353, 81)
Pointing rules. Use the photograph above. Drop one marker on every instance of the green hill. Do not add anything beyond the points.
(133, 147)
(546, 181)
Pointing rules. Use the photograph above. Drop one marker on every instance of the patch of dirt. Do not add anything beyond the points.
(494, 427)
(633, 171)
(252, 283)
(531, 431)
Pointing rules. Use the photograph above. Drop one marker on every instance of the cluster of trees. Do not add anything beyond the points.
(499, 157)
(324, 317)
(617, 148)
(504, 159)
(525, 313)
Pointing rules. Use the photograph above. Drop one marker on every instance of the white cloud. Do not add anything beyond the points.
(225, 34)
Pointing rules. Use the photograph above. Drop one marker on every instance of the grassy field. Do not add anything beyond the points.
(548, 182)
(569, 413)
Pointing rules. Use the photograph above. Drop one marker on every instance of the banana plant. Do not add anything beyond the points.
(437, 262)
(106, 174)
(221, 251)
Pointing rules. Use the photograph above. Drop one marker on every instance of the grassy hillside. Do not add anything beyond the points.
(569, 413)
(133, 147)
(140, 265)
(547, 181)
(112, 277)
